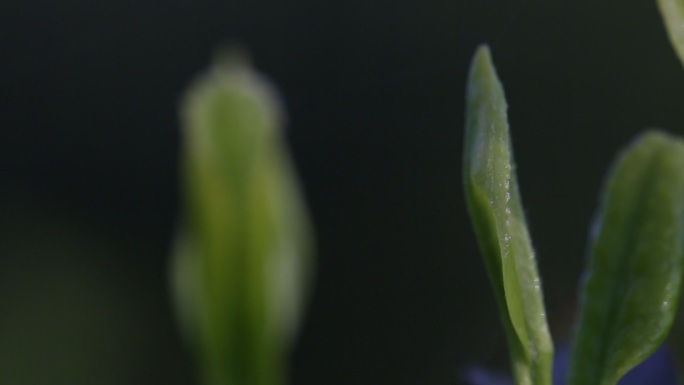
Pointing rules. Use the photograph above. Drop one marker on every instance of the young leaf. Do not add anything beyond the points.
(241, 257)
(672, 12)
(491, 191)
(631, 291)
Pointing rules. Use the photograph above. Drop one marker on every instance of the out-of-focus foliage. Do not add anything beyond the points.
(72, 311)
(242, 252)
(673, 16)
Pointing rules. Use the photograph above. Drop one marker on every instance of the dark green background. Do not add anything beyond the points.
(374, 93)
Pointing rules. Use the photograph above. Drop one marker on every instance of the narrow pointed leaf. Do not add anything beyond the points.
(672, 12)
(493, 199)
(241, 255)
(631, 290)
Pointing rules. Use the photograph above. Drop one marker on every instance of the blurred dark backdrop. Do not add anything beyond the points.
(374, 93)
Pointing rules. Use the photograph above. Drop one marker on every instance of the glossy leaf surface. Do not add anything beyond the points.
(672, 12)
(493, 198)
(632, 285)
(241, 256)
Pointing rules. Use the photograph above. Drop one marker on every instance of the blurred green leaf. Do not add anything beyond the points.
(631, 291)
(242, 253)
(672, 12)
(491, 190)
(73, 312)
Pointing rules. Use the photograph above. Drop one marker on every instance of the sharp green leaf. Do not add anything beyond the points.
(673, 16)
(241, 256)
(632, 285)
(493, 199)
